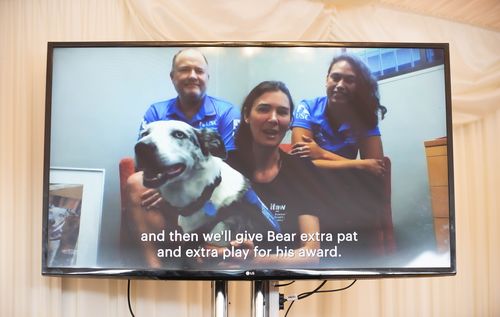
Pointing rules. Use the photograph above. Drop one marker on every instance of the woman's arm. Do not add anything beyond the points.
(371, 148)
(370, 151)
(304, 145)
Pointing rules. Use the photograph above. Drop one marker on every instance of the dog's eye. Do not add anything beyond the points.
(179, 134)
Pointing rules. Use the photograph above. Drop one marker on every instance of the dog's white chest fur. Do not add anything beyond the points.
(181, 194)
(227, 192)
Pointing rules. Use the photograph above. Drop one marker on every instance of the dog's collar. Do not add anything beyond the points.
(200, 201)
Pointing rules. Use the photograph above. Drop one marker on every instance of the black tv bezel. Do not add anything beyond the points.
(248, 275)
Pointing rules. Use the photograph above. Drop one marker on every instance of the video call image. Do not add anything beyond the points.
(220, 158)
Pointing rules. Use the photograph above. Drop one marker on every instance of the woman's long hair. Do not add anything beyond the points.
(243, 138)
(366, 99)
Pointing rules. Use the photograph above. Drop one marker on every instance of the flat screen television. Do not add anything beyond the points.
(113, 112)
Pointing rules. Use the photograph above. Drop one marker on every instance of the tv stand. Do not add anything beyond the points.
(265, 299)
(219, 298)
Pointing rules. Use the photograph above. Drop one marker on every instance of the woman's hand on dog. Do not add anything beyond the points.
(152, 199)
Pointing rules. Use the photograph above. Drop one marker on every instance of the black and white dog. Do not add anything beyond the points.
(185, 165)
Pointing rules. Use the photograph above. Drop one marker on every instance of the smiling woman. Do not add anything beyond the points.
(332, 130)
(269, 118)
(279, 179)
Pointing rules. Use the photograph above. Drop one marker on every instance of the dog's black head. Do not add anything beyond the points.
(170, 150)
(211, 143)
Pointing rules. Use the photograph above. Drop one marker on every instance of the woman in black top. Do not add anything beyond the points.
(283, 182)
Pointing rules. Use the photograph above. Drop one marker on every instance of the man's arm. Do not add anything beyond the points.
(227, 127)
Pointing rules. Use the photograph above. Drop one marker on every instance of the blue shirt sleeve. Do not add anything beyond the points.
(302, 116)
(228, 125)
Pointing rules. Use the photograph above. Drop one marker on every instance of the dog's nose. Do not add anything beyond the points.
(145, 153)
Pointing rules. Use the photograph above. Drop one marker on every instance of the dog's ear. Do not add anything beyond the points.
(211, 142)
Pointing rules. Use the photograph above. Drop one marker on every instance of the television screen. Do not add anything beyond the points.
(248, 160)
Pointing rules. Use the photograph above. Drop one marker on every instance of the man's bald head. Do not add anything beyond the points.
(189, 51)
(190, 76)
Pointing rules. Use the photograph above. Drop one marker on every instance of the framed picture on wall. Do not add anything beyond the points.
(75, 209)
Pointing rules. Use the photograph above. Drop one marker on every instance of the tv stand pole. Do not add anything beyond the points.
(265, 299)
(219, 298)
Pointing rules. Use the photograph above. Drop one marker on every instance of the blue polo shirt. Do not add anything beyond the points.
(214, 113)
(310, 114)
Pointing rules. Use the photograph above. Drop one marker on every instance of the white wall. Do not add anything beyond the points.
(416, 113)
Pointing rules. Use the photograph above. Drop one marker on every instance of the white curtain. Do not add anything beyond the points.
(26, 27)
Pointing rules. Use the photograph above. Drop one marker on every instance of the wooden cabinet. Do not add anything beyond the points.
(437, 166)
